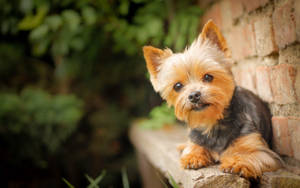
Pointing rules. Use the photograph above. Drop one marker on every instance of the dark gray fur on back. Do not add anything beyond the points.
(246, 114)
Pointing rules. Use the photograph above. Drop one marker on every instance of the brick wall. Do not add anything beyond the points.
(264, 37)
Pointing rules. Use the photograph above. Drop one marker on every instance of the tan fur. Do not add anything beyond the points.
(154, 58)
(195, 156)
(189, 67)
(208, 54)
(212, 32)
(249, 156)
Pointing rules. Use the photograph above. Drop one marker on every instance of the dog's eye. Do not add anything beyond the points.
(177, 86)
(208, 78)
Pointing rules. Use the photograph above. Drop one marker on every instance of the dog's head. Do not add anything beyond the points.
(197, 82)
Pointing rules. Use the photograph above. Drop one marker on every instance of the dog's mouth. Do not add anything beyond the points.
(200, 106)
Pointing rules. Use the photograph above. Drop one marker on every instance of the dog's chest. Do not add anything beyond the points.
(217, 140)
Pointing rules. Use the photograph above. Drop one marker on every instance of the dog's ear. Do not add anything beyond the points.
(154, 58)
(211, 32)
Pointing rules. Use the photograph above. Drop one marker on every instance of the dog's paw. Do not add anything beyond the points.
(193, 161)
(181, 147)
(194, 156)
(244, 170)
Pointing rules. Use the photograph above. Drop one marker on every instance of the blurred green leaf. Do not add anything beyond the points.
(89, 15)
(173, 182)
(71, 18)
(39, 32)
(68, 183)
(26, 6)
(125, 178)
(124, 7)
(77, 43)
(159, 116)
(41, 47)
(39, 118)
(94, 182)
(53, 21)
(31, 21)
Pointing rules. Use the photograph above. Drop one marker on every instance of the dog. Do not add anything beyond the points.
(227, 124)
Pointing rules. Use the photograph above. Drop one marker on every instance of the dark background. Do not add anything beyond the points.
(73, 78)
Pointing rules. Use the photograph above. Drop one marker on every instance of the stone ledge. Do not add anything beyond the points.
(159, 147)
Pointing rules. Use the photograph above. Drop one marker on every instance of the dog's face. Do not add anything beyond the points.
(197, 82)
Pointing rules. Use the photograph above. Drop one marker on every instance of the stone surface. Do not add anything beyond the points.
(280, 179)
(159, 146)
(150, 176)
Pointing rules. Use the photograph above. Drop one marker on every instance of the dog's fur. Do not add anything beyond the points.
(226, 123)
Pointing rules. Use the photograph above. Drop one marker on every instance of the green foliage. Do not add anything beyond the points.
(162, 23)
(68, 183)
(37, 121)
(125, 178)
(159, 116)
(94, 182)
(32, 21)
(91, 49)
(173, 182)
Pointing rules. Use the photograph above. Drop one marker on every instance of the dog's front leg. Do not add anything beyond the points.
(249, 156)
(194, 156)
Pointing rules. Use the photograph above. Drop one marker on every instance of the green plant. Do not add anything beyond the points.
(125, 178)
(91, 49)
(64, 28)
(37, 122)
(94, 183)
(173, 182)
(159, 116)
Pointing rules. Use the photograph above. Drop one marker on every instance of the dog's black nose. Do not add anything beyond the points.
(194, 97)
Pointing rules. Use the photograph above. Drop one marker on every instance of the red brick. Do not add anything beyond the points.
(236, 8)
(282, 83)
(237, 74)
(297, 84)
(251, 5)
(284, 24)
(294, 131)
(241, 41)
(297, 18)
(248, 78)
(213, 13)
(263, 83)
(226, 15)
(281, 136)
(264, 36)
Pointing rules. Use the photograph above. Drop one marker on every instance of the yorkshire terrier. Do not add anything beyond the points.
(227, 124)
